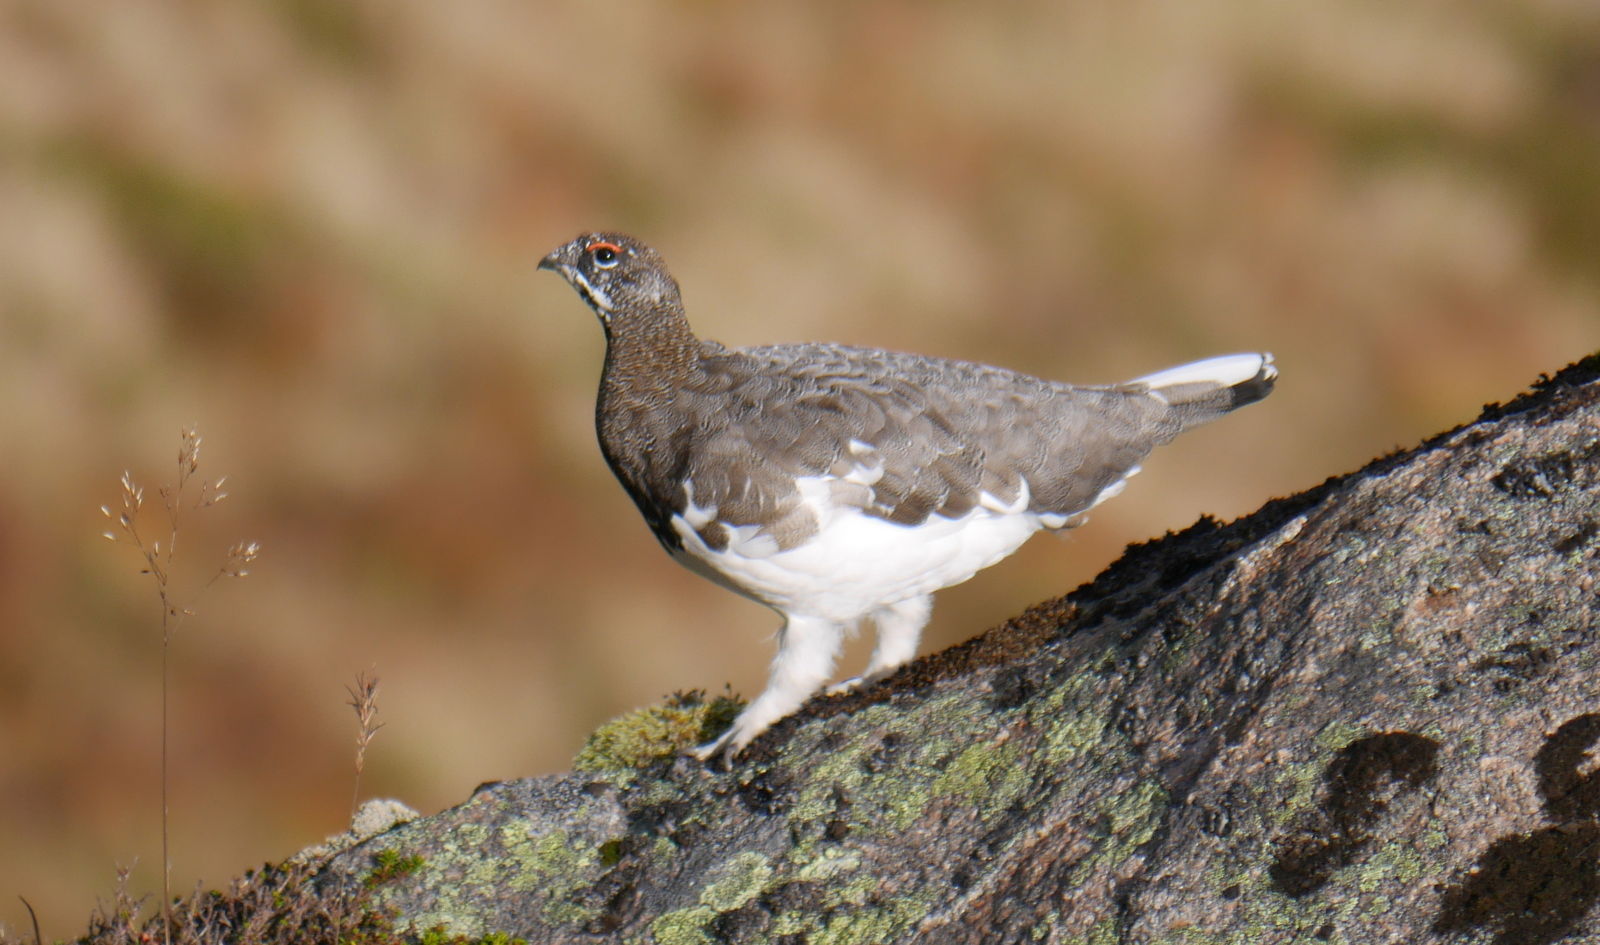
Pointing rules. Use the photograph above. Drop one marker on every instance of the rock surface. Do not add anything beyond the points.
(1366, 713)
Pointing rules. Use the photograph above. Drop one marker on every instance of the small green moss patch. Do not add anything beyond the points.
(391, 865)
(629, 742)
(438, 936)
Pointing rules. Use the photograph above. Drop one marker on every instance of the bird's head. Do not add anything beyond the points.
(616, 274)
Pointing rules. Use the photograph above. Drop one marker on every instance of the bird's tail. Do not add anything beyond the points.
(1204, 390)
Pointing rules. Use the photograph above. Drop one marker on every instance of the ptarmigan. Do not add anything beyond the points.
(834, 483)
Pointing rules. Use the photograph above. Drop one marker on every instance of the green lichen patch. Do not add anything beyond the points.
(990, 774)
(552, 865)
(684, 926)
(878, 922)
(1129, 819)
(737, 881)
(1103, 932)
(1396, 865)
(543, 856)
(1045, 926)
(840, 774)
(1073, 726)
(829, 864)
(547, 867)
(884, 786)
(1133, 813)
(903, 798)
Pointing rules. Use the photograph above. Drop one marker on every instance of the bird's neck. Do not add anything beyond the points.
(651, 360)
(650, 356)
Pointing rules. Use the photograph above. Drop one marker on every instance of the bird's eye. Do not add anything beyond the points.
(605, 255)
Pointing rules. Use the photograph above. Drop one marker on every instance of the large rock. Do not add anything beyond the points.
(1362, 714)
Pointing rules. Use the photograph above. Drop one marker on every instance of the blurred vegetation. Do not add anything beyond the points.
(310, 228)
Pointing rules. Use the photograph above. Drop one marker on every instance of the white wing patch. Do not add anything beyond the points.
(750, 541)
(693, 515)
(868, 468)
(992, 503)
(747, 540)
(1115, 489)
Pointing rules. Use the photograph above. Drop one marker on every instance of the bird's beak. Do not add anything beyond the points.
(562, 259)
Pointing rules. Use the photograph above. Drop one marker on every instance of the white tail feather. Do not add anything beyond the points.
(1224, 371)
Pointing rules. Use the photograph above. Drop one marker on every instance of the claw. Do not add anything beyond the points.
(845, 685)
(710, 751)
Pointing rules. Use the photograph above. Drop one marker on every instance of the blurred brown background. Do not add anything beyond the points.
(309, 227)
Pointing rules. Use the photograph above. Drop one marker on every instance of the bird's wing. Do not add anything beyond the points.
(902, 437)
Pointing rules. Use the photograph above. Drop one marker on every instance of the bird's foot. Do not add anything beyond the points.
(725, 747)
(860, 682)
(711, 749)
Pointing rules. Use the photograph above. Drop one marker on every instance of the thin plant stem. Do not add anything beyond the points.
(159, 564)
(166, 856)
(37, 938)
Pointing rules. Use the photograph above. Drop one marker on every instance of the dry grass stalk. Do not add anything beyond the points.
(158, 563)
(364, 699)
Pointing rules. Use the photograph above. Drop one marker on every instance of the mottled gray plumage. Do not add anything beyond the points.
(736, 442)
(945, 432)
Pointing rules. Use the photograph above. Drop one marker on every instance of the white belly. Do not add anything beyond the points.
(856, 563)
